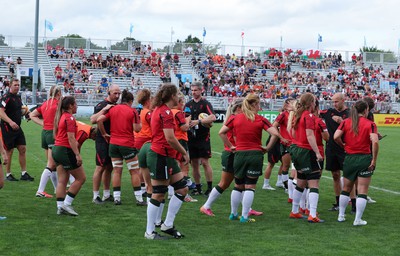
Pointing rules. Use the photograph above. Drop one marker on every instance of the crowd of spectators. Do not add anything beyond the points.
(142, 61)
(273, 76)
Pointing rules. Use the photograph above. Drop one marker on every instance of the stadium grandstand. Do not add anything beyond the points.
(226, 71)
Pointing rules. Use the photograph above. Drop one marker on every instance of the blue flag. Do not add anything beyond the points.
(319, 38)
(131, 28)
(204, 32)
(48, 25)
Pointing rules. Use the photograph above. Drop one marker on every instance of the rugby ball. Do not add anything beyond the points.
(24, 110)
(201, 117)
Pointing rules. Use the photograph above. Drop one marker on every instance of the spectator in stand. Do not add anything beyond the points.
(176, 58)
(2, 61)
(19, 60)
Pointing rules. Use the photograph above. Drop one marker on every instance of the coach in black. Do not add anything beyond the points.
(13, 136)
(199, 136)
(334, 153)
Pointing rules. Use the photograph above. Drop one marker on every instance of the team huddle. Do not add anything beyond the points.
(158, 141)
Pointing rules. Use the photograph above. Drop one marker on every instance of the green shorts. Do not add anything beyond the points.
(64, 156)
(356, 165)
(143, 154)
(227, 159)
(47, 139)
(248, 163)
(304, 160)
(123, 152)
(161, 167)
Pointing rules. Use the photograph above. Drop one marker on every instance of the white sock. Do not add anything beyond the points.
(343, 202)
(160, 212)
(68, 200)
(171, 191)
(247, 201)
(106, 194)
(96, 194)
(117, 195)
(23, 172)
(236, 199)
(60, 204)
(71, 179)
(266, 182)
(361, 203)
(308, 199)
(290, 188)
(296, 200)
(54, 179)
(173, 208)
(152, 212)
(313, 198)
(285, 177)
(46, 174)
(279, 178)
(303, 199)
(138, 195)
(214, 195)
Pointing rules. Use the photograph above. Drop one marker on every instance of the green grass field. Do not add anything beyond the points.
(33, 228)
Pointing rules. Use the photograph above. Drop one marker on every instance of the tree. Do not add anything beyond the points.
(126, 44)
(2, 39)
(373, 54)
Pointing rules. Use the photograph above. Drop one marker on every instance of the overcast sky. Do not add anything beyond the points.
(343, 24)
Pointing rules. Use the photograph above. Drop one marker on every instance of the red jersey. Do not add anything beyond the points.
(82, 132)
(231, 138)
(66, 124)
(180, 120)
(48, 111)
(307, 121)
(248, 133)
(361, 143)
(122, 117)
(161, 119)
(282, 120)
(145, 133)
(320, 128)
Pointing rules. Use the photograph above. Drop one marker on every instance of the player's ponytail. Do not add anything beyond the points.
(63, 105)
(358, 108)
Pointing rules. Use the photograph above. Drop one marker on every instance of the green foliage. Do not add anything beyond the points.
(33, 228)
(2, 39)
(373, 54)
(125, 44)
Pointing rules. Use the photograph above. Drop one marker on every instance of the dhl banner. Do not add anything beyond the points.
(387, 120)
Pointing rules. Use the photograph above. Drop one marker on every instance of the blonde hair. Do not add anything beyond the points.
(302, 105)
(233, 107)
(54, 90)
(248, 108)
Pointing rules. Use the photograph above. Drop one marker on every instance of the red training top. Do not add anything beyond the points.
(66, 124)
(161, 119)
(180, 120)
(48, 111)
(361, 143)
(122, 117)
(282, 120)
(248, 133)
(307, 121)
(320, 128)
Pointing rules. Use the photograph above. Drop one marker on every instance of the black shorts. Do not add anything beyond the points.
(184, 144)
(334, 159)
(199, 149)
(102, 157)
(12, 139)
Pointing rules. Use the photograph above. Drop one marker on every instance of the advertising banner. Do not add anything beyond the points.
(387, 120)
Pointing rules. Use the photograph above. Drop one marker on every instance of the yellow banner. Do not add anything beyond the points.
(387, 120)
